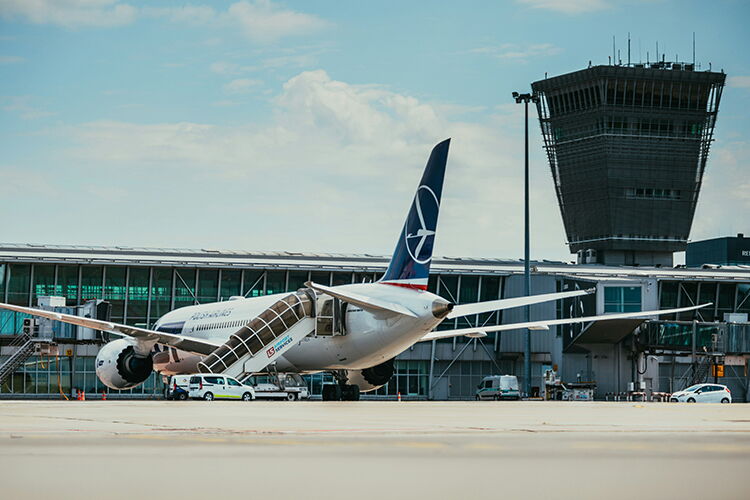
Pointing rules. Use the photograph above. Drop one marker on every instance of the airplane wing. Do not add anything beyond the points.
(482, 331)
(361, 300)
(141, 335)
(496, 305)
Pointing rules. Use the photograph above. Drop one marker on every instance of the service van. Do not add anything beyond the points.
(178, 387)
(498, 387)
(211, 386)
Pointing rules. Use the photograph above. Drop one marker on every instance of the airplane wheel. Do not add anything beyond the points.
(350, 392)
(208, 396)
(331, 392)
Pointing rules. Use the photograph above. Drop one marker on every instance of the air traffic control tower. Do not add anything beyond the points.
(627, 145)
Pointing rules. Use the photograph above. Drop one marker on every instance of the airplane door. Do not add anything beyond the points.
(330, 318)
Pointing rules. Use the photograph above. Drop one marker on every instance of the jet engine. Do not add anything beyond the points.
(371, 378)
(119, 367)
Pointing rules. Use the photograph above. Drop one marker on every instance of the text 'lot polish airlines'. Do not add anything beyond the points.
(353, 331)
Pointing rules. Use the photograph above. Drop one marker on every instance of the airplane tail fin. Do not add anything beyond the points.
(410, 264)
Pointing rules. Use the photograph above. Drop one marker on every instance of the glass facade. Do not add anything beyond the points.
(58, 375)
(621, 299)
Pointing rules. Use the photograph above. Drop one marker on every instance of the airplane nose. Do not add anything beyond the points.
(441, 308)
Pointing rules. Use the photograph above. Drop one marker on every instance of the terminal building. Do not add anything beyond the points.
(727, 251)
(141, 284)
(627, 146)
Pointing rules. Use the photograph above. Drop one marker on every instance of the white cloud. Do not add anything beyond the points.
(742, 82)
(264, 21)
(241, 86)
(11, 59)
(261, 21)
(568, 6)
(334, 155)
(21, 105)
(518, 52)
(188, 14)
(70, 13)
(725, 191)
(229, 68)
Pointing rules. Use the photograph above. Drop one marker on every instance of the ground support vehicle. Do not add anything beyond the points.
(498, 387)
(177, 388)
(289, 386)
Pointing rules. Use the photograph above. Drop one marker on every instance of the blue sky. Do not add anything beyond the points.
(304, 126)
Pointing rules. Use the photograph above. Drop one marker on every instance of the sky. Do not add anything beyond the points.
(304, 125)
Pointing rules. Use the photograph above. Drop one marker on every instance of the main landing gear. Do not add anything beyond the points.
(340, 391)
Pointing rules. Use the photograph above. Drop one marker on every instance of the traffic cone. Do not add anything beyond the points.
(104, 396)
(83, 396)
(399, 396)
(78, 395)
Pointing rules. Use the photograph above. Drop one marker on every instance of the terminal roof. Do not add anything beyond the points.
(208, 257)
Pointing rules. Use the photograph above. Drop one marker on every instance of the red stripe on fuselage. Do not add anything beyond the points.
(413, 286)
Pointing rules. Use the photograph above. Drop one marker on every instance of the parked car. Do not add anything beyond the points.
(289, 386)
(498, 387)
(178, 387)
(210, 387)
(703, 393)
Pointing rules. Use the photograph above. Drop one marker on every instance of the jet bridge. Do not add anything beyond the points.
(266, 337)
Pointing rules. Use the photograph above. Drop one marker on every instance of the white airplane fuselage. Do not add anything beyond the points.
(371, 337)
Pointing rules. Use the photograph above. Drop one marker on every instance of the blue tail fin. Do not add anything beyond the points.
(410, 264)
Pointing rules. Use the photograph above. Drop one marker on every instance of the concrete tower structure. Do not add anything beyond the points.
(627, 145)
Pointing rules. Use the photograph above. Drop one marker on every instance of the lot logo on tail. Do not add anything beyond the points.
(419, 230)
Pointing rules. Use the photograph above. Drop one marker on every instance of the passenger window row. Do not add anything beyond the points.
(228, 324)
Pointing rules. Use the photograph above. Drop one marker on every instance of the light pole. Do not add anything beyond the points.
(526, 98)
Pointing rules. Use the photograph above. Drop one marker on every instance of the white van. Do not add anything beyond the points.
(289, 386)
(178, 387)
(498, 387)
(210, 387)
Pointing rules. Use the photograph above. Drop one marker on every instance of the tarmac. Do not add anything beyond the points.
(373, 450)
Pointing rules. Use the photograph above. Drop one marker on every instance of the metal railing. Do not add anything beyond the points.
(260, 332)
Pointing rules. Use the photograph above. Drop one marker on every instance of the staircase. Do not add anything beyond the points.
(700, 370)
(264, 338)
(25, 348)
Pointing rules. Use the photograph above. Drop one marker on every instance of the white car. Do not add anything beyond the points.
(210, 387)
(703, 393)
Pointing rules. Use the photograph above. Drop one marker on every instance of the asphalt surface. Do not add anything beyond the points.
(366, 449)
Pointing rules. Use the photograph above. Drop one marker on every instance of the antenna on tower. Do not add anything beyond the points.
(693, 48)
(640, 54)
(613, 48)
(628, 48)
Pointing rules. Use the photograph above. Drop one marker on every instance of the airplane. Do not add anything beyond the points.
(352, 331)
